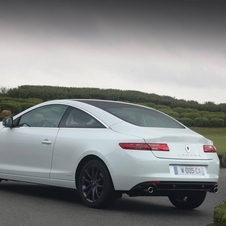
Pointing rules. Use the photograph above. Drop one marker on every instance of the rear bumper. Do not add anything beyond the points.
(136, 168)
(165, 188)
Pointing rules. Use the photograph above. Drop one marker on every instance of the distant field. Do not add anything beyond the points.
(217, 135)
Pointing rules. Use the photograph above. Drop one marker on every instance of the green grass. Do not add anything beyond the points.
(217, 135)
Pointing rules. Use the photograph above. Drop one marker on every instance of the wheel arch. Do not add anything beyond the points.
(83, 162)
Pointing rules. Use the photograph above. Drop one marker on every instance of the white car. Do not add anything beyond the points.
(106, 148)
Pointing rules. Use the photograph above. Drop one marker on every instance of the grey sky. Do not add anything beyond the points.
(174, 48)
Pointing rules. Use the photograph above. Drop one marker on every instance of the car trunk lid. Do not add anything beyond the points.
(183, 143)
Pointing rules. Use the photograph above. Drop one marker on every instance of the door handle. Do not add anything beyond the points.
(46, 142)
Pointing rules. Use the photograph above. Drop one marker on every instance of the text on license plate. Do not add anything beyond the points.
(190, 170)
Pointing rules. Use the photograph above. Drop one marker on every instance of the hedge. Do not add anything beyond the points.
(216, 122)
(187, 122)
(201, 122)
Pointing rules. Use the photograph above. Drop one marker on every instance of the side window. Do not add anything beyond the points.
(46, 116)
(76, 118)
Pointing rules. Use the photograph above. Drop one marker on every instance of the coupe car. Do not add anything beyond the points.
(108, 148)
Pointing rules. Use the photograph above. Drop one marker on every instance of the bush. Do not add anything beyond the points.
(190, 115)
(5, 113)
(187, 121)
(14, 107)
(219, 215)
(201, 122)
(171, 113)
(216, 122)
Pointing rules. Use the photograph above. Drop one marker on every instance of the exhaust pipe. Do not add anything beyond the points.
(215, 189)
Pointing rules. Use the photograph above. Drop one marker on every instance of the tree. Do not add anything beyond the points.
(3, 90)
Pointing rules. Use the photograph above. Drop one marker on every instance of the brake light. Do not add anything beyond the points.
(209, 148)
(159, 147)
(145, 146)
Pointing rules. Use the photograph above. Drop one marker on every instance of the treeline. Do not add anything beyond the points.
(191, 113)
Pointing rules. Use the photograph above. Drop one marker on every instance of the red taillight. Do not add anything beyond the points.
(209, 148)
(145, 146)
(159, 147)
(135, 146)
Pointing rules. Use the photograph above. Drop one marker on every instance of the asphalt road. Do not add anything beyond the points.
(24, 204)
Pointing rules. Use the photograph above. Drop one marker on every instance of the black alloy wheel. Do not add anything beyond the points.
(187, 200)
(95, 185)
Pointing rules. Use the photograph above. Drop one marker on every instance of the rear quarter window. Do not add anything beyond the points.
(136, 114)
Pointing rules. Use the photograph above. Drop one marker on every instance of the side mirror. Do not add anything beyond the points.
(8, 122)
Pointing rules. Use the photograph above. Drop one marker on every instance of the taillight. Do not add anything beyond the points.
(135, 146)
(145, 146)
(159, 147)
(209, 148)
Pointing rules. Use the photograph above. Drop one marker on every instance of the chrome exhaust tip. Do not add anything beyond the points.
(215, 189)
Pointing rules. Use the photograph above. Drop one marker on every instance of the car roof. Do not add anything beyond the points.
(106, 118)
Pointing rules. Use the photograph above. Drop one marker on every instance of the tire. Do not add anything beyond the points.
(187, 200)
(95, 185)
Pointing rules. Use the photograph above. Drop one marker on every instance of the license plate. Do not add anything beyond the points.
(190, 170)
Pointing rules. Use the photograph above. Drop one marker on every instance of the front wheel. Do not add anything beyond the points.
(187, 200)
(95, 186)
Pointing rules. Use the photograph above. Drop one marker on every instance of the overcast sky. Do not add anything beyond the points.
(173, 48)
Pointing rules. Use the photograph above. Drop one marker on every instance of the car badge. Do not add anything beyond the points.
(187, 148)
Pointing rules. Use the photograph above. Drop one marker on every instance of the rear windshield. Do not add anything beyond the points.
(137, 115)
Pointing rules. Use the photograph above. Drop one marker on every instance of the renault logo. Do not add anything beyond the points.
(187, 148)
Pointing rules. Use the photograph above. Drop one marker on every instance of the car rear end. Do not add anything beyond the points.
(172, 159)
(162, 158)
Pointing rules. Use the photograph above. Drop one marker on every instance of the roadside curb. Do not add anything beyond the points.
(222, 161)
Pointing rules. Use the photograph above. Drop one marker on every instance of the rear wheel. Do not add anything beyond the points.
(95, 186)
(187, 200)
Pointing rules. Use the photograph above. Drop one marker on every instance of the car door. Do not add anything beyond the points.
(79, 132)
(27, 149)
